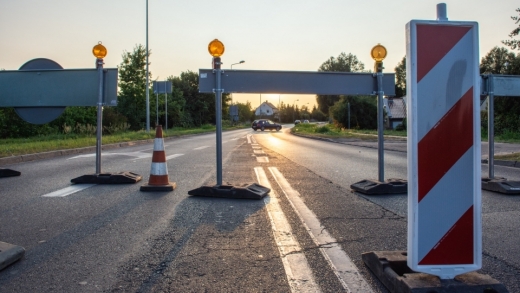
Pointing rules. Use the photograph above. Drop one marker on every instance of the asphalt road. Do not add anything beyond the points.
(114, 238)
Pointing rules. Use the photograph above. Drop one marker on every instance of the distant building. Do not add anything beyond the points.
(395, 110)
(266, 110)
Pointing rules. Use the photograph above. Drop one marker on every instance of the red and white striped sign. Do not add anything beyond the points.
(444, 205)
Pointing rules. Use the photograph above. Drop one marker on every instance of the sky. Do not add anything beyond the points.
(267, 34)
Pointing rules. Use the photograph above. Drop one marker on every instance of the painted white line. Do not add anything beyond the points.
(253, 139)
(201, 148)
(68, 190)
(294, 261)
(235, 138)
(340, 262)
(173, 156)
(262, 159)
(249, 138)
(134, 155)
(258, 151)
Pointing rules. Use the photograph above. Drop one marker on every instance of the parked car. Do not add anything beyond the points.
(264, 124)
(306, 121)
(297, 122)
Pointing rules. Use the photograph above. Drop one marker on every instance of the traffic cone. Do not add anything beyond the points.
(159, 172)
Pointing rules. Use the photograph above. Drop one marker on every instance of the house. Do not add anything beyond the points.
(266, 110)
(395, 110)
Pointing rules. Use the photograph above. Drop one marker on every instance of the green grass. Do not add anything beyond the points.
(23, 146)
(508, 157)
(329, 130)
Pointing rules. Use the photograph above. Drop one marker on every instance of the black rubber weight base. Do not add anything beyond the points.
(501, 185)
(390, 186)
(391, 269)
(108, 178)
(169, 187)
(9, 253)
(246, 191)
(8, 173)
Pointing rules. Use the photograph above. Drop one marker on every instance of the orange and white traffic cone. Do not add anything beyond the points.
(159, 172)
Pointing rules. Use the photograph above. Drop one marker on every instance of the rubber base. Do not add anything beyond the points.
(108, 178)
(9, 254)
(251, 191)
(372, 187)
(8, 173)
(501, 185)
(169, 187)
(391, 269)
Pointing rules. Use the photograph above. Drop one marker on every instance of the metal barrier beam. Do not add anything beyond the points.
(296, 82)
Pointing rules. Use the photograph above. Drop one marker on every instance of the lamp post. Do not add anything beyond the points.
(242, 61)
(147, 76)
(378, 54)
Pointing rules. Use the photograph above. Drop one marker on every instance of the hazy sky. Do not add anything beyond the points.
(267, 34)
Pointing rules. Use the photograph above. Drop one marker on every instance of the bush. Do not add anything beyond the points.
(323, 129)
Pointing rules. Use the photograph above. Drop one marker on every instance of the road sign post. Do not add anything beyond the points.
(162, 87)
(444, 197)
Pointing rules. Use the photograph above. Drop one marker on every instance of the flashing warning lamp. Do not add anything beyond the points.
(99, 51)
(378, 53)
(216, 48)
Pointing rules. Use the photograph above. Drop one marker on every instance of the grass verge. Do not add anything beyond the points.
(22, 146)
(331, 131)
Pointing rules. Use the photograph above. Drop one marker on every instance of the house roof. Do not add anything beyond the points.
(396, 108)
(269, 105)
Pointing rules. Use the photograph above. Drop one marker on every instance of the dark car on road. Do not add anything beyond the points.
(264, 124)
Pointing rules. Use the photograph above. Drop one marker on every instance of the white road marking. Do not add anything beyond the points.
(340, 262)
(201, 148)
(262, 159)
(249, 138)
(68, 190)
(173, 156)
(135, 155)
(294, 261)
(258, 151)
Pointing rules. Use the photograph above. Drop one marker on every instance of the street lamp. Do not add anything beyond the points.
(147, 76)
(242, 61)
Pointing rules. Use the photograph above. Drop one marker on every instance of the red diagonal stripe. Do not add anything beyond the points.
(456, 247)
(433, 43)
(446, 142)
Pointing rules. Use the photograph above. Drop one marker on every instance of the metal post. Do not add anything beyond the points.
(380, 137)
(157, 108)
(99, 65)
(166, 106)
(218, 110)
(491, 128)
(147, 76)
(348, 106)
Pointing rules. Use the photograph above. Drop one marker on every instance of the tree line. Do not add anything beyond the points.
(189, 108)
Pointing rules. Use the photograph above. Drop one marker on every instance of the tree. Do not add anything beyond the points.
(363, 112)
(497, 61)
(400, 78)
(514, 44)
(198, 108)
(501, 61)
(343, 63)
(132, 87)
